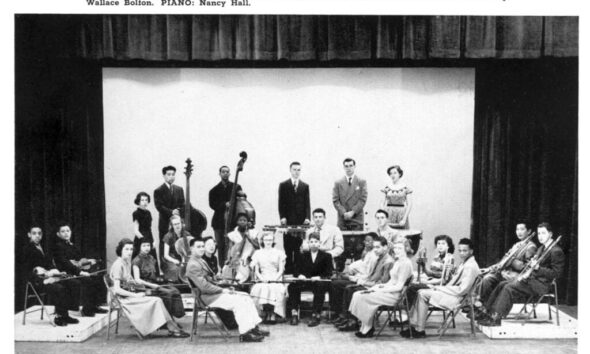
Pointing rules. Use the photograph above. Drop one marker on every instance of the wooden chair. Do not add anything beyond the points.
(35, 294)
(114, 305)
(199, 306)
(551, 294)
(402, 304)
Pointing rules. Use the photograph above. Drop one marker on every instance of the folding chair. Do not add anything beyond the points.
(467, 300)
(199, 306)
(551, 294)
(35, 295)
(114, 305)
(402, 304)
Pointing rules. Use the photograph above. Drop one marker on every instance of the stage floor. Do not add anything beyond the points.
(302, 339)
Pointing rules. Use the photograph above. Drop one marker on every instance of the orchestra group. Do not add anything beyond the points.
(239, 271)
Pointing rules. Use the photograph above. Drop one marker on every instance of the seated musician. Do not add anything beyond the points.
(313, 266)
(543, 272)
(40, 270)
(269, 266)
(331, 240)
(243, 241)
(444, 296)
(379, 273)
(146, 313)
(209, 256)
(68, 259)
(364, 304)
(383, 228)
(362, 266)
(171, 260)
(491, 280)
(439, 271)
(202, 277)
(145, 273)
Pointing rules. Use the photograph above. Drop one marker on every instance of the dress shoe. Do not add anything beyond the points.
(60, 321)
(350, 326)
(315, 321)
(494, 320)
(369, 334)
(99, 310)
(87, 312)
(341, 322)
(260, 332)
(178, 334)
(70, 320)
(340, 318)
(294, 320)
(406, 332)
(250, 337)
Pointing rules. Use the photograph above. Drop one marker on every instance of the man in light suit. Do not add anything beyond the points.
(202, 277)
(294, 209)
(448, 296)
(169, 200)
(349, 196)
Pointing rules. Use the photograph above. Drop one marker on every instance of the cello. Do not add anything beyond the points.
(190, 215)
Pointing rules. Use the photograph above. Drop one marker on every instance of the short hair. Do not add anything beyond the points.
(207, 238)
(372, 234)
(349, 159)
(63, 223)
(314, 235)
(192, 241)
(407, 245)
(122, 244)
(319, 210)
(294, 163)
(382, 212)
(139, 195)
(467, 242)
(267, 234)
(222, 167)
(239, 215)
(524, 222)
(399, 170)
(35, 225)
(382, 240)
(145, 240)
(168, 168)
(448, 240)
(546, 225)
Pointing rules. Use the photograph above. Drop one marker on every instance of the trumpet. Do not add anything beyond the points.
(530, 268)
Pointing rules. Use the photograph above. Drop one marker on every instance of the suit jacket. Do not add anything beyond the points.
(551, 268)
(380, 272)
(294, 206)
(63, 253)
(347, 198)
(218, 196)
(167, 201)
(450, 295)
(331, 240)
(202, 277)
(32, 258)
(322, 266)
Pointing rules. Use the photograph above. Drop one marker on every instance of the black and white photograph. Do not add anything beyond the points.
(242, 182)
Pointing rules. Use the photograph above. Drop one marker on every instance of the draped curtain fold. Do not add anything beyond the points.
(525, 158)
(319, 38)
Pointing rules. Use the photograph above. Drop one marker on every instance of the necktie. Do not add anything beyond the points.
(349, 181)
(295, 187)
(171, 190)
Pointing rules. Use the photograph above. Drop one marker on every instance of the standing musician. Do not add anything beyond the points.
(444, 296)
(243, 241)
(535, 279)
(219, 199)
(202, 277)
(169, 200)
(69, 259)
(379, 273)
(313, 266)
(40, 270)
(171, 260)
(331, 240)
(349, 196)
(145, 273)
(294, 209)
(525, 252)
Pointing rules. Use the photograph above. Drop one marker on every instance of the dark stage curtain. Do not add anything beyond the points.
(59, 151)
(312, 38)
(525, 157)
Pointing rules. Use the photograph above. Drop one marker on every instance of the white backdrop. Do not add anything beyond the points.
(419, 118)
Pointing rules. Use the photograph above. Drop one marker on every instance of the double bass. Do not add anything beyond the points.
(194, 223)
(237, 265)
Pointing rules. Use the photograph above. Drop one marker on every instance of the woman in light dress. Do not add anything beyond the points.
(269, 265)
(146, 313)
(364, 304)
(397, 200)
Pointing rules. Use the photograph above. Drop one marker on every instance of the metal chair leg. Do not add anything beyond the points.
(109, 322)
(556, 304)
(26, 301)
(194, 323)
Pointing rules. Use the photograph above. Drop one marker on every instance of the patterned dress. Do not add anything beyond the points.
(269, 261)
(395, 204)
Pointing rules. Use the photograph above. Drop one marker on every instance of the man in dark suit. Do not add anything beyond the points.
(313, 266)
(507, 292)
(39, 270)
(349, 196)
(219, 198)
(294, 209)
(169, 200)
